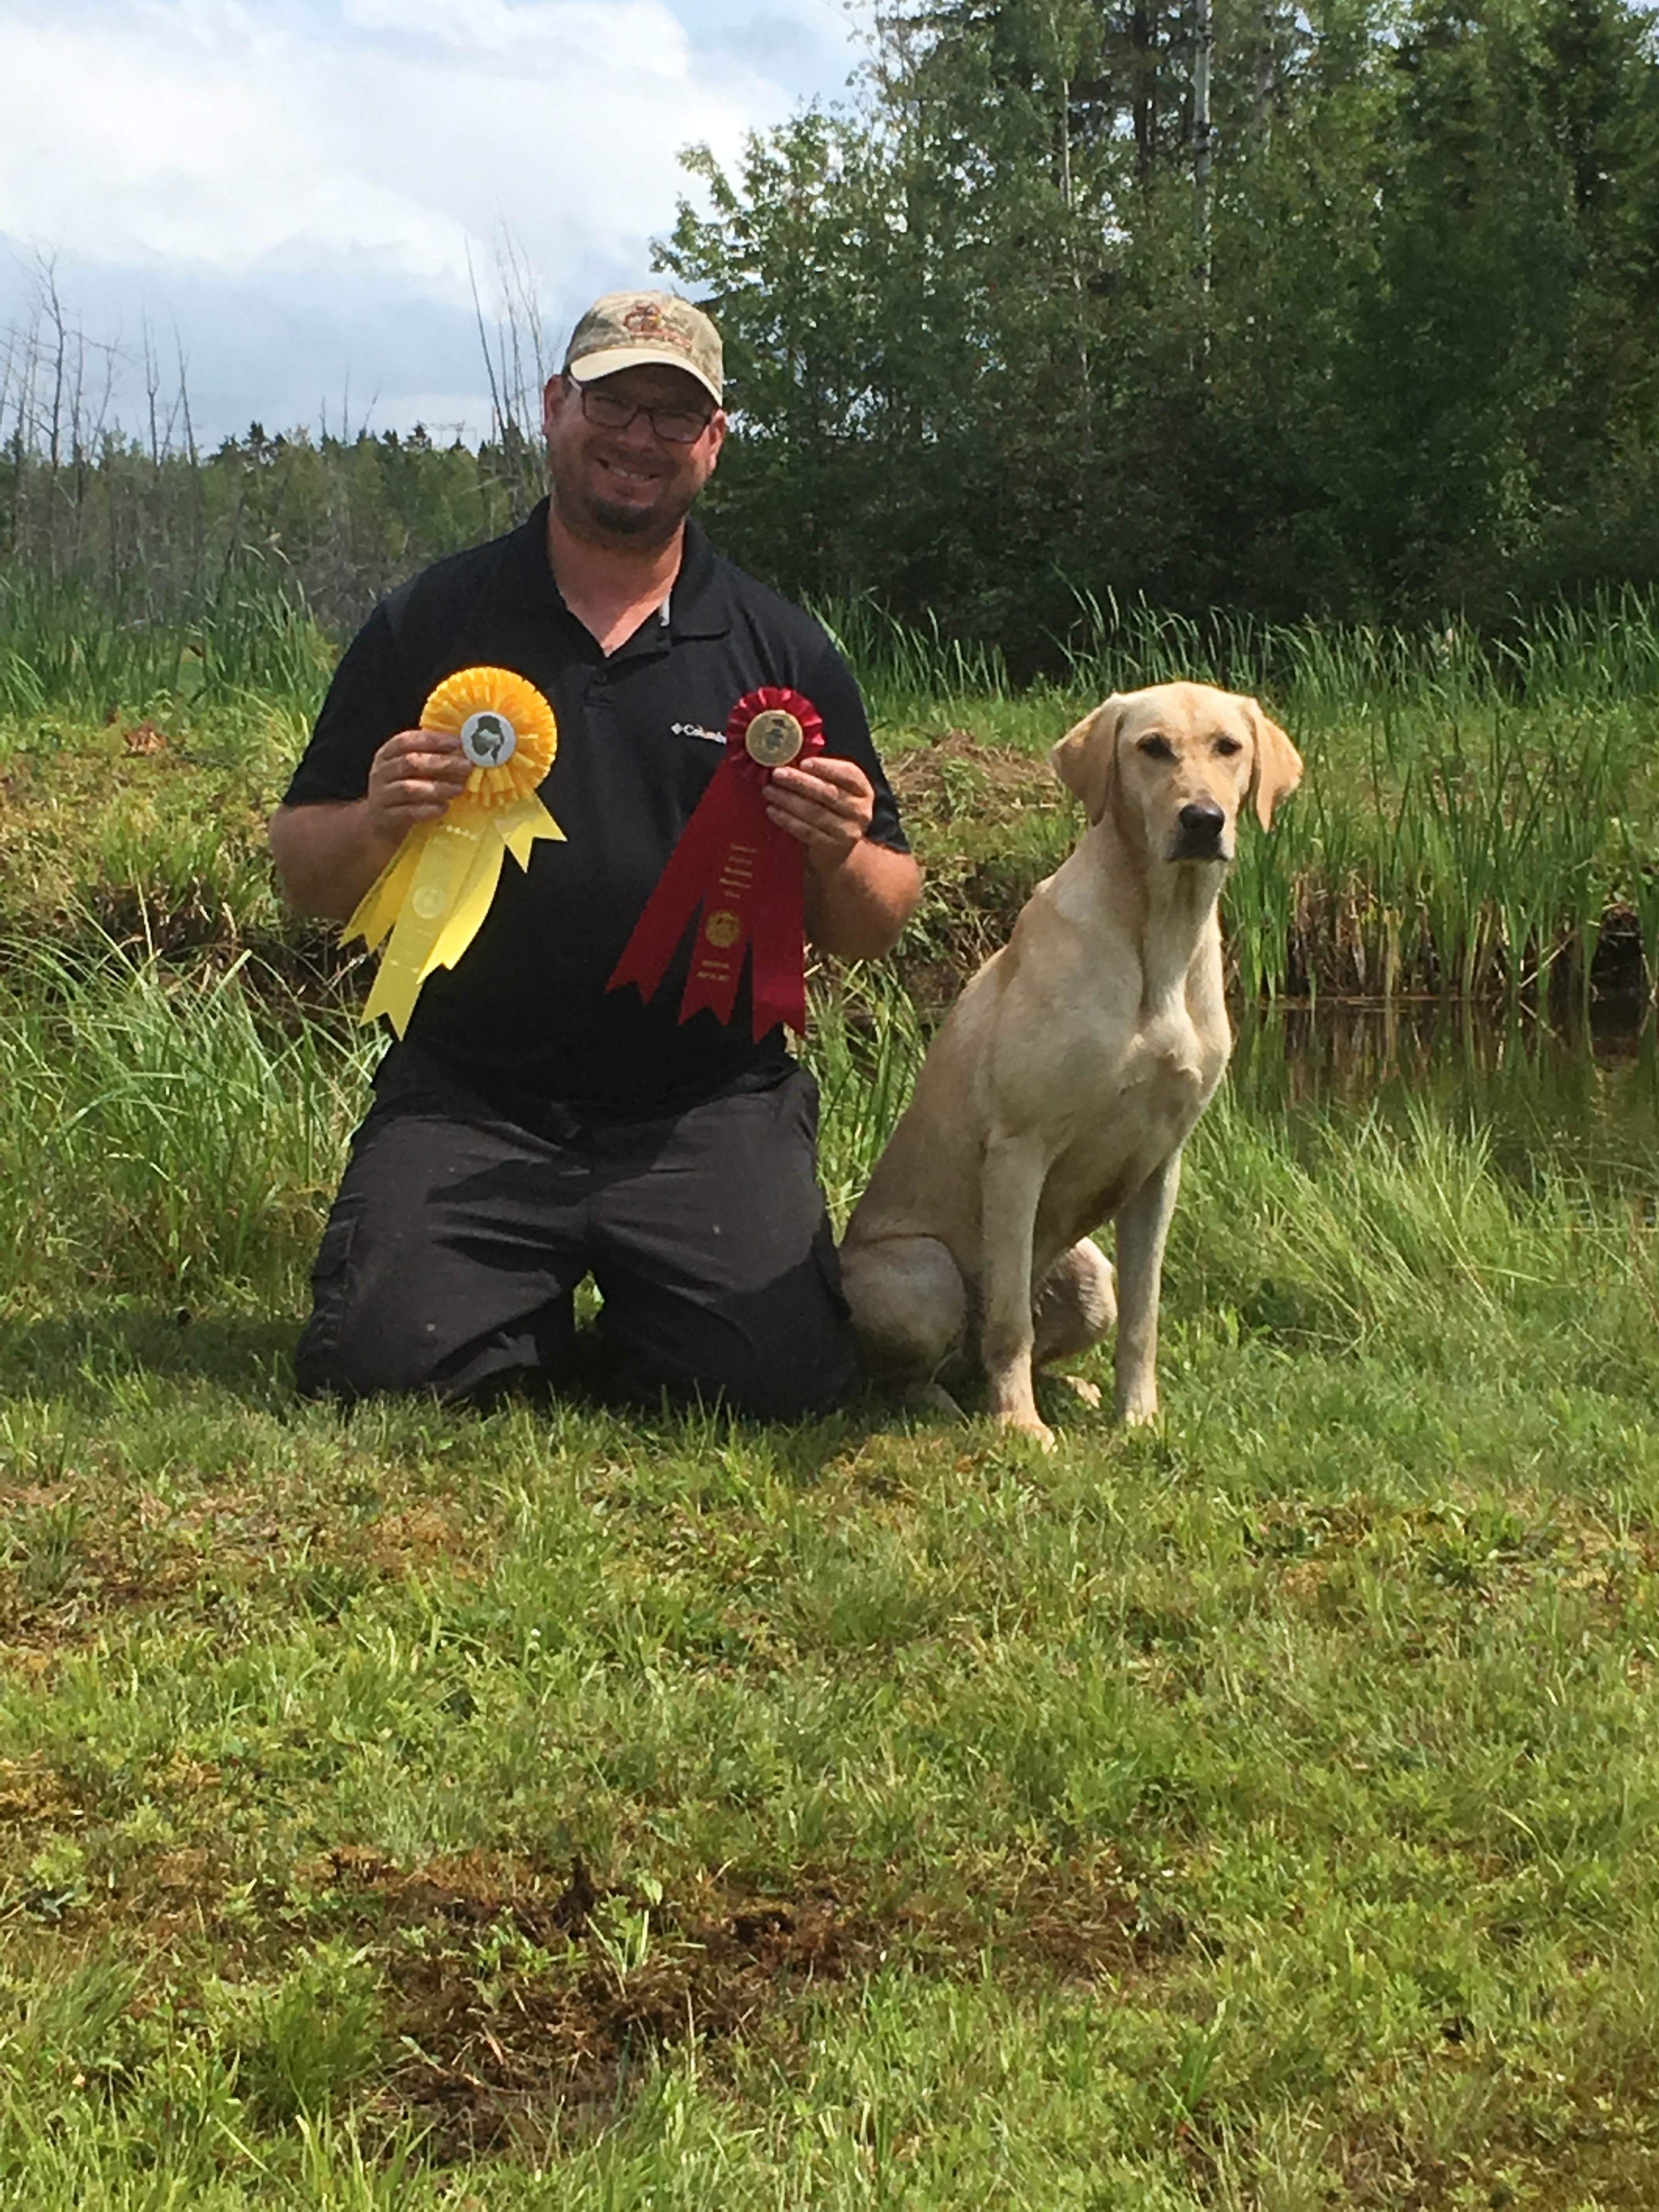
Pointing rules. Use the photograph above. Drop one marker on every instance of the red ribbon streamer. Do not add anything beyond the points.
(743, 877)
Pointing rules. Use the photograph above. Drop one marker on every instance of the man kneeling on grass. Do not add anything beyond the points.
(532, 1126)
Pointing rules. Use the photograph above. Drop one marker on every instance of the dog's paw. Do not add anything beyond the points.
(931, 1398)
(1089, 1392)
(1027, 1425)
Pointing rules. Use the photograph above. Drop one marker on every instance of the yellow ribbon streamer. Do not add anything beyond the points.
(434, 892)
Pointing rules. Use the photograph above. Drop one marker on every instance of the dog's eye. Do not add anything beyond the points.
(1228, 746)
(1157, 749)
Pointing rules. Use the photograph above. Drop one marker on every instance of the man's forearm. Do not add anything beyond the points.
(857, 908)
(327, 854)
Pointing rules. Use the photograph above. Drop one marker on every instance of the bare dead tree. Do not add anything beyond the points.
(517, 362)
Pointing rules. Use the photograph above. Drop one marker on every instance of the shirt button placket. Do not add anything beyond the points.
(601, 701)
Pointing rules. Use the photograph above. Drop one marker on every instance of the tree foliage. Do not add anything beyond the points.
(994, 335)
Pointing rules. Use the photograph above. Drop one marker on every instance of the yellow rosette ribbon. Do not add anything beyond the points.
(431, 896)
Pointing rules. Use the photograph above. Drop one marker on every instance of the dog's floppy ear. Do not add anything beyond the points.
(1085, 757)
(1278, 769)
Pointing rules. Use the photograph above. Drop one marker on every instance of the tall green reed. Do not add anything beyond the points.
(67, 648)
(1467, 852)
(1339, 1229)
(903, 666)
(158, 1131)
(1472, 809)
(865, 1043)
(1606, 649)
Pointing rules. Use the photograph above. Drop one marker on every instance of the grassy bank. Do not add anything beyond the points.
(1475, 821)
(421, 1809)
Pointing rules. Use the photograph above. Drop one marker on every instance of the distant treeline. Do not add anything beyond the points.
(136, 561)
(134, 573)
(335, 522)
(1243, 308)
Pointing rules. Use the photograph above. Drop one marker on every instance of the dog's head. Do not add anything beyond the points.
(1175, 762)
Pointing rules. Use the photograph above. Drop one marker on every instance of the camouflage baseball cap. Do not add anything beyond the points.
(625, 329)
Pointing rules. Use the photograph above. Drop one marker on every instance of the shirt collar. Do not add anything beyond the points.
(529, 574)
(698, 603)
(701, 602)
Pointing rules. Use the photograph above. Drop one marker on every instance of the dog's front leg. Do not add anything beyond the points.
(1143, 1226)
(1012, 1185)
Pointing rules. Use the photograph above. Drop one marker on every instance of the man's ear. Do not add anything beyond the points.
(1085, 757)
(1277, 768)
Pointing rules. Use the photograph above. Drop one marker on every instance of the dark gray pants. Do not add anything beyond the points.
(460, 1234)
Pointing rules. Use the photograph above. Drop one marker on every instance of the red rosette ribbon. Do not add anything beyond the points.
(739, 874)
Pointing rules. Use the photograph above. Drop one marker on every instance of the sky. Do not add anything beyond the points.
(289, 203)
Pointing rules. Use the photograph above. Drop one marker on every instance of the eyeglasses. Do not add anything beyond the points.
(678, 426)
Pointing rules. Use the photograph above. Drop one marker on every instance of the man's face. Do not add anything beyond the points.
(629, 487)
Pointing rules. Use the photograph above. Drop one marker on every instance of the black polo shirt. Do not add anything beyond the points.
(525, 1009)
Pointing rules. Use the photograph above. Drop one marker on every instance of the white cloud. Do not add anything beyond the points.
(644, 31)
(373, 149)
(225, 132)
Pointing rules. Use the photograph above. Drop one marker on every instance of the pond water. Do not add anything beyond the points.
(1581, 1099)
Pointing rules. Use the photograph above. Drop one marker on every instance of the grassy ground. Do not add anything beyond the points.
(416, 1809)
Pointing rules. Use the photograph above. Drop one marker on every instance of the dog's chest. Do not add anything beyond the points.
(1170, 1068)
(1152, 1089)
(1144, 1109)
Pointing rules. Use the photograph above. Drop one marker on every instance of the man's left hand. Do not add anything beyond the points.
(827, 803)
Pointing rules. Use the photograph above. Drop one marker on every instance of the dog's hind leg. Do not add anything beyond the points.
(909, 1308)
(1073, 1309)
(1075, 1305)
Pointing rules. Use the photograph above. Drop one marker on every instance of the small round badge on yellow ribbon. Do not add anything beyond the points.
(489, 739)
(435, 892)
(774, 737)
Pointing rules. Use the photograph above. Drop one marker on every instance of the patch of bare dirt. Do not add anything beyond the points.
(969, 809)
(522, 2000)
(956, 775)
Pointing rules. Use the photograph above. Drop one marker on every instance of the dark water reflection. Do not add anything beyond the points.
(1582, 1100)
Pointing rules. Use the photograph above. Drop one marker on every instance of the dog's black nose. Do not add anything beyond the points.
(1201, 825)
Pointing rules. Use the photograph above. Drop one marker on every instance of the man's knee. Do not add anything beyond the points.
(371, 1364)
(385, 1324)
(785, 1353)
(347, 1360)
(796, 1382)
(356, 1346)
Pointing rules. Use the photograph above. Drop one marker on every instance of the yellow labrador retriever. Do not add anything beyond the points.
(1069, 1075)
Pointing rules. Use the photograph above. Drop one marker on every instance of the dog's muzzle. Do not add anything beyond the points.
(1202, 828)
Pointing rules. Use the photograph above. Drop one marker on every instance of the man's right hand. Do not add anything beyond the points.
(328, 852)
(412, 779)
